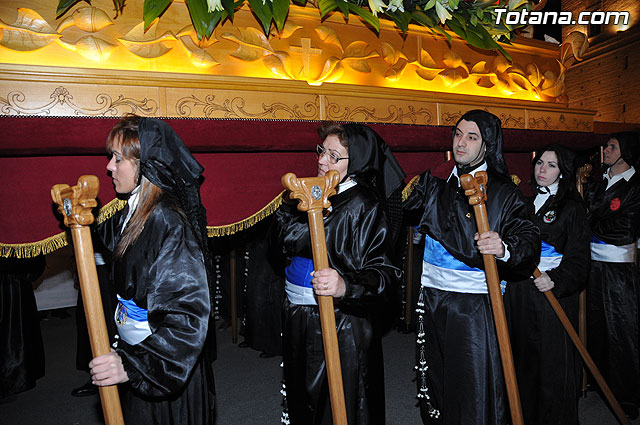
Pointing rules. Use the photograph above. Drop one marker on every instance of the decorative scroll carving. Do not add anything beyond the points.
(395, 114)
(449, 118)
(560, 123)
(511, 121)
(11, 105)
(235, 108)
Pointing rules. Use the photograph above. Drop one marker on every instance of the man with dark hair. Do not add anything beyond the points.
(612, 291)
(459, 372)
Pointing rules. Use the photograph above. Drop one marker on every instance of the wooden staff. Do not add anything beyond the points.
(475, 189)
(557, 308)
(313, 193)
(75, 204)
(583, 174)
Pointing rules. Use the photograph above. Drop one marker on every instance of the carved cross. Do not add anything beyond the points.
(306, 50)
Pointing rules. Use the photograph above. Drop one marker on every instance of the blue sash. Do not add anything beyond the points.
(299, 271)
(298, 282)
(436, 254)
(132, 321)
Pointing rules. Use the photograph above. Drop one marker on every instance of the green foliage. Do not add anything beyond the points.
(154, 8)
(472, 20)
(65, 5)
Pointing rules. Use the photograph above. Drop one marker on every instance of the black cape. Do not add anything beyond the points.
(163, 271)
(548, 367)
(469, 386)
(358, 237)
(613, 291)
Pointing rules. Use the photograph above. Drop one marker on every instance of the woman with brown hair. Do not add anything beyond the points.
(160, 258)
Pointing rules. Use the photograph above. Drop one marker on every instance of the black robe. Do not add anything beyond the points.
(467, 388)
(358, 240)
(163, 271)
(22, 354)
(548, 367)
(613, 291)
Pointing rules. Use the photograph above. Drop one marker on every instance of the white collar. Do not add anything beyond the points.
(133, 204)
(346, 185)
(454, 172)
(624, 175)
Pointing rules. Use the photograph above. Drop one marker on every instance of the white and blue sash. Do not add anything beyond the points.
(298, 281)
(601, 251)
(441, 270)
(133, 326)
(549, 257)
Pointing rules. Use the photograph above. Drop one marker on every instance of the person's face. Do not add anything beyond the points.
(333, 147)
(123, 170)
(611, 152)
(546, 169)
(468, 148)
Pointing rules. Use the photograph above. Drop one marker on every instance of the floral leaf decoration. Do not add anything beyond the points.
(475, 21)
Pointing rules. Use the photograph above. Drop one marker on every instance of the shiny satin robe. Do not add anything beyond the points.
(357, 234)
(548, 367)
(613, 291)
(464, 380)
(163, 271)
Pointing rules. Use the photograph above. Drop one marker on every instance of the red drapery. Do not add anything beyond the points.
(243, 161)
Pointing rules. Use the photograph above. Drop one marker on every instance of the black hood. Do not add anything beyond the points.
(629, 146)
(491, 132)
(371, 159)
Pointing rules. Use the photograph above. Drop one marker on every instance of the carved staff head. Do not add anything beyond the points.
(312, 192)
(75, 203)
(475, 187)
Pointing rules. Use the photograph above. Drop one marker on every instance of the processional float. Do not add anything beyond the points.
(75, 203)
(475, 188)
(312, 193)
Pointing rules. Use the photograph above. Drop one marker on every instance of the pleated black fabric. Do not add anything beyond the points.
(613, 341)
(22, 358)
(465, 378)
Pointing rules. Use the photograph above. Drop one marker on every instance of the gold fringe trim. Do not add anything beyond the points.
(52, 243)
(409, 187)
(110, 209)
(48, 245)
(33, 249)
(230, 229)
(515, 179)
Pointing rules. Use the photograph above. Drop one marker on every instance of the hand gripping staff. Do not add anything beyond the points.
(75, 204)
(557, 308)
(312, 192)
(476, 189)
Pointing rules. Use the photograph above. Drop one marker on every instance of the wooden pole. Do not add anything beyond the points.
(583, 174)
(475, 189)
(312, 193)
(75, 203)
(557, 308)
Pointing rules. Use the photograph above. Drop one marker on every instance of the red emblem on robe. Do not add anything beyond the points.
(615, 204)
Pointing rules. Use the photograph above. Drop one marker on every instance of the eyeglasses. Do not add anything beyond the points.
(332, 157)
